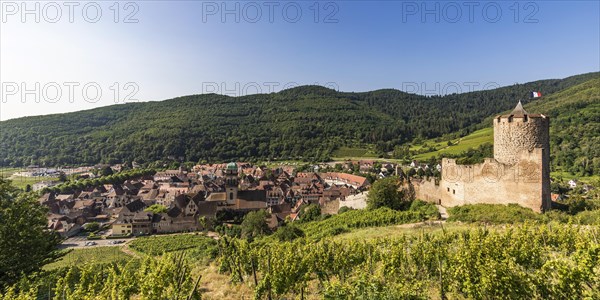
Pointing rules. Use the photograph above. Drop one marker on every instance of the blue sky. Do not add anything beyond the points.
(186, 47)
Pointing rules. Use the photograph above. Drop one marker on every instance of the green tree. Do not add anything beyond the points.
(344, 209)
(106, 171)
(62, 177)
(25, 243)
(156, 209)
(255, 224)
(91, 227)
(310, 212)
(206, 223)
(385, 193)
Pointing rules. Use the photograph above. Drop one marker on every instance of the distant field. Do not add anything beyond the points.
(472, 140)
(19, 181)
(353, 152)
(89, 255)
(7, 172)
(569, 176)
(22, 182)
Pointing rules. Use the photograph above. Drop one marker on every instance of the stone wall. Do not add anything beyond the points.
(330, 207)
(490, 182)
(358, 201)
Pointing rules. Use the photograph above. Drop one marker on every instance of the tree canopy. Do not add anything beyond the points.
(25, 244)
(255, 224)
(156, 209)
(386, 192)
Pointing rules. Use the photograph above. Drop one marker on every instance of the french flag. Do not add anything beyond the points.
(536, 94)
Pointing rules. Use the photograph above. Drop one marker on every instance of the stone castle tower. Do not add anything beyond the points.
(520, 132)
(519, 172)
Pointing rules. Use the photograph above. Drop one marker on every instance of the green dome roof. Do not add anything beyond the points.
(232, 166)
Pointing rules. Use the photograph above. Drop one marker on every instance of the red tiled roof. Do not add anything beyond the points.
(347, 178)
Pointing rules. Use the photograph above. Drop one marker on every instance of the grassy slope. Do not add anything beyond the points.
(90, 255)
(7, 172)
(472, 140)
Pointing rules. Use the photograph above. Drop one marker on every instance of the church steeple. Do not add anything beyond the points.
(231, 182)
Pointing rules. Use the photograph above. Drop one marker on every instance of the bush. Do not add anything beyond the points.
(91, 227)
(92, 236)
(118, 236)
(590, 217)
(492, 213)
(229, 230)
(576, 204)
(255, 224)
(288, 233)
(426, 208)
(311, 212)
(344, 209)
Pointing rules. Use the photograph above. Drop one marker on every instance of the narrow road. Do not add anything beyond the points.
(80, 241)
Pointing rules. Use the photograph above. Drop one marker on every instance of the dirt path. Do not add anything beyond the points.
(419, 224)
(125, 248)
(443, 212)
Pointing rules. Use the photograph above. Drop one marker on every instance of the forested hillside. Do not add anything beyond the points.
(306, 122)
(574, 130)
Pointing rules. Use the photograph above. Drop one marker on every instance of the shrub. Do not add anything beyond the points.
(426, 208)
(492, 213)
(590, 217)
(255, 224)
(92, 236)
(288, 233)
(229, 230)
(311, 212)
(91, 227)
(344, 209)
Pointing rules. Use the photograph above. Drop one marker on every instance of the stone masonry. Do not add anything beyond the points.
(519, 172)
